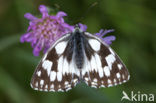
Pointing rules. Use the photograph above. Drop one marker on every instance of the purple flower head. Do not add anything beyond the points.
(82, 27)
(108, 39)
(43, 32)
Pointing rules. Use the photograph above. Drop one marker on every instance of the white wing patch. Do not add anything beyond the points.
(110, 60)
(106, 71)
(39, 73)
(52, 75)
(41, 82)
(99, 65)
(60, 65)
(118, 75)
(65, 67)
(47, 66)
(119, 66)
(95, 44)
(60, 47)
(59, 76)
(93, 63)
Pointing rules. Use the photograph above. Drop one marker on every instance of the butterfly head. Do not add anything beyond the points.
(77, 28)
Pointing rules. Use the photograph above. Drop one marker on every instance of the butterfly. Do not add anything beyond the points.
(79, 56)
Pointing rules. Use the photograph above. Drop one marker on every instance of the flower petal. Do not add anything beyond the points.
(43, 10)
(25, 37)
(107, 31)
(68, 27)
(38, 47)
(36, 52)
(29, 16)
(109, 39)
(61, 14)
(82, 27)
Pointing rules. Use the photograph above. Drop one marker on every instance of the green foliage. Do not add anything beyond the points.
(135, 29)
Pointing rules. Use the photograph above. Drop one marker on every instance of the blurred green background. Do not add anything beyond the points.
(134, 22)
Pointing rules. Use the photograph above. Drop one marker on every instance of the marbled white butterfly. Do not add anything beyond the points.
(78, 56)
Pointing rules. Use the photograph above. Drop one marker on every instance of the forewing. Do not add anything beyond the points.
(103, 67)
(55, 71)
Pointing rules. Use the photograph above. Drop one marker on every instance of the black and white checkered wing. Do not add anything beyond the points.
(103, 68)
(55, 71)
(78, 56)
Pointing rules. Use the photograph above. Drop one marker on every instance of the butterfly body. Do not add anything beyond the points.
(77, 40)
(78, 56)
